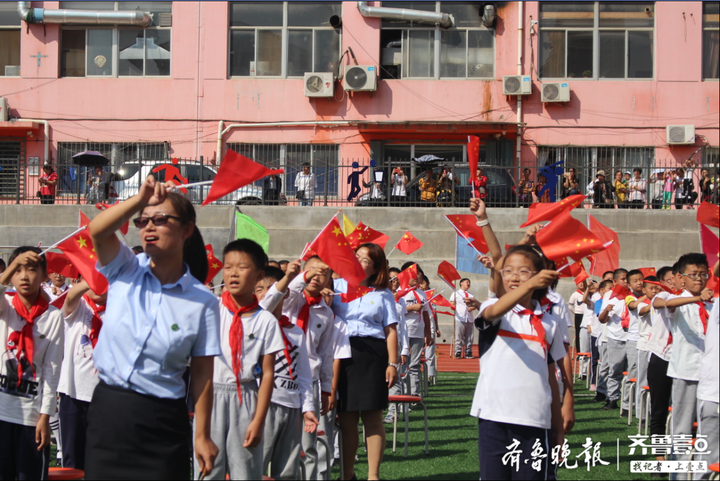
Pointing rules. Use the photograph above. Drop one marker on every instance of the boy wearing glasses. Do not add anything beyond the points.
(689, 317)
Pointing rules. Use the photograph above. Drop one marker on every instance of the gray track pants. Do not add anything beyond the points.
(684, 404)
(617, 362)
(281, 442)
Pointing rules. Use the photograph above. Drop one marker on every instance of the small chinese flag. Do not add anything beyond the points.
(567, 237)
(473, 152)
(714, 285)
(709, 244)
(578, 272)
(235, 172)
(403, 292)
(620, 292)
(80, 251)
(709, 214)
(466, 226)
(308, 253)
(448, 273)
(647, 271)
(83, 220)
(560, 264)
(363, 234)
(408, 243)
(440, 301)
(608, 259)
(539, 212)
(214, 264)
(405, 276)
(354, 292)
(429, 293)
(335, 251)
(125, 226)
(60, 264)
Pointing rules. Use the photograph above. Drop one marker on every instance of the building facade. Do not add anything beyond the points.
(192, 79)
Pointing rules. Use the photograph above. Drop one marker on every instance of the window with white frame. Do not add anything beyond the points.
(417, 50)
(119, 51)
(596, 40)
(283, 39)
(9, 40)
(711, 40)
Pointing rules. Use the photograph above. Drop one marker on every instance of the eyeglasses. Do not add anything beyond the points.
(157, 220)
(365, 261)
(696, 277)
(522, 274)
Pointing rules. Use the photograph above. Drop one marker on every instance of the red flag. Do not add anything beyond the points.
(429, 293)
(125, 226)
(308, 253)
(440, 301)
(334, 250)
(709, 244)
(214, 264)
(354, 292)
(473, 153)
(560, 266)
(364, 234)
(236, 171)
(577, 270)
(60, 264)
(466, 226)
(408, 243)
(60, 301)
(714, 285)
(83, 221)
(403, 292)
(709, 214)
(80, 251)
(620, 292)
(448, 273)
(567, 237)
(609, 259)
(647, 271)
(405, 276)
(539, 212)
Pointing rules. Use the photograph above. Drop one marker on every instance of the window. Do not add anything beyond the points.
(118, 52)
(612, 40)
(283, 39)
(711, 37)
(324, 159)
(416, 50)
(9, 40)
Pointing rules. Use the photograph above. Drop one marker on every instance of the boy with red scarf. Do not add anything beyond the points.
(250, 339)
(84, 312)
(32, 332)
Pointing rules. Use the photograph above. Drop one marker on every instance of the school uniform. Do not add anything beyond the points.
(575, 306)
(316, 319)
(362, 385)
(617, 337)
(633, 336)
(403, 350)
(688, 331)
(554, 304)
(643, 355)
(291, 397)
(78, 379)
(514, 359)
(604, 362)
(595, 332)
(707, 392)
(659, 345)
(29, 374)
(415, 324)
(463, 322)
(430, 350)
(138, 424)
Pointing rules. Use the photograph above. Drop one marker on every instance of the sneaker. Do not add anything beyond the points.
(624, 413)
(611, 405)
(469, 356)
(599, 397)
(389, 419)
(458, 355)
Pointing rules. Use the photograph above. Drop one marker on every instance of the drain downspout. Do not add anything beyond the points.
(518, 141)
(83, 17)
(443, 19)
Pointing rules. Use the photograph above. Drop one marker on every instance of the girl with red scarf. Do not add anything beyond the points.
(32, 333)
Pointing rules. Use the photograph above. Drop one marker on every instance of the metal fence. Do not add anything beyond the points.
(392, 182)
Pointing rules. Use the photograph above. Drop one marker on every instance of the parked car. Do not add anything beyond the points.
(127, 180)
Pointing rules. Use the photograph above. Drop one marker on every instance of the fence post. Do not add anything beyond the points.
(517, 184)
(17, 181)
(325, 175)
(77, 184)
(202, 178)
(389, 183)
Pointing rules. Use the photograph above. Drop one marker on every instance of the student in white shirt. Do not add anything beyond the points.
(305, 185)
(612, 314)
(584, 307)
(689, 320)
(430, 350)
(635, 283)
(31, 332)
(463, 319)
(418, 323)
(57, 286)
(575, 306)
(644, 316)
(707, 392)
(594, 328)
(403, 342)
(83, 312)
(519, 345)
(601, 329)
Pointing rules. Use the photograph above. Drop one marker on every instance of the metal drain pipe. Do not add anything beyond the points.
(443, 19)
(83, 17)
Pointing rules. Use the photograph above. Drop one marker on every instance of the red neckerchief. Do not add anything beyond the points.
(580, 292)
(465, 294)
(284, 324)
(417, 297)
(703, 315)
(546, 304)
(304, 314)
(625, 319)
(236, 333)
(536, 323)
(25, 343)
(96, 323)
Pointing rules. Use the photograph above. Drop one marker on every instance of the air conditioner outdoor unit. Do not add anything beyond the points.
(517, 85)
(3, 110)
(680, 134)
(555, 92)
(319, 84)
(12, 70)
(360, 78)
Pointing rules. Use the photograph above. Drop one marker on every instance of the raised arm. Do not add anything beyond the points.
(72, 299)
(676, 302)
(477, 207)
(510, 299)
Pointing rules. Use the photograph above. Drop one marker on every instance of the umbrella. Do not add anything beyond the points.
(90, 158)
(427, 158)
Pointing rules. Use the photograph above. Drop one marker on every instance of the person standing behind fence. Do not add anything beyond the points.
(525, 188)
(305, 185)
(97, 182)
(272, 187)
(602, 192)
(48, 182)
(399, 180)
(637, 188)
(428, 188)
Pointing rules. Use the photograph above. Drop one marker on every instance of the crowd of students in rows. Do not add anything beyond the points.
(269, 361)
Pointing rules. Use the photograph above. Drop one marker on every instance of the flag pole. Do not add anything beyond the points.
(391, 251)
(311, 243)
(192, 184)
(63, 239)
(463, 236)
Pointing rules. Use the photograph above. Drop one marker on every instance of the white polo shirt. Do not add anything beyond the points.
(688, 341)
(645, 321)
(414, 321)
(709, 380)
(575, 303)
(561, 312)
(513, 385)
(461, 310)
(589, 315)
(659, 338)
(633, 334)
(341, 346)
(403, 339)
(78, 376)
(615, 330)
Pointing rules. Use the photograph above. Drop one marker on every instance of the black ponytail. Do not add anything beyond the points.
(194, 254)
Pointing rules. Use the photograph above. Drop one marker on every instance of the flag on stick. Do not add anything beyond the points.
(60, 264)
(608, 259)
(473, 152)
(466, 226)
(335, 251)
(647, 271)
(709, 244)
(408, 243)
(448, 273)
(354, 292)
(79, 249)
(407, 275)
(235, 172)
(100, 206)
(214, 264)
(440, 301)
(709, 214)
(539, 212)
(567, 237)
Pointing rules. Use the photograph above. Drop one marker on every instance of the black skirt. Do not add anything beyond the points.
(362, 385)
(136, 436)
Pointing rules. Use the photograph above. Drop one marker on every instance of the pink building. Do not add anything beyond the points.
(192, 79)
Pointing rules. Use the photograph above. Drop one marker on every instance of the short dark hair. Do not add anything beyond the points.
(695, 259)
(635, 272)
(283, 262)
(251, 248)
(649, 279)
(618, 272)
(606, 284)
(464, 279)
(662, 272)
(194, 244)
(638, 170)
(608, 272)
(676, 268)
(306, 164)
(425, 279)
(394, 269)
(419, 269)
(23, 249)
(273, 273)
